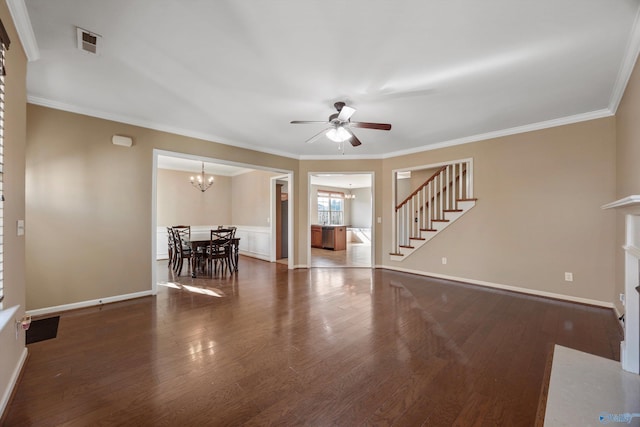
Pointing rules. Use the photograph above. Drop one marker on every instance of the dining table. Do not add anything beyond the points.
(202, 239)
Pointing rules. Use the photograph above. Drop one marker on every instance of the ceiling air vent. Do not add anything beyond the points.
(89, 42)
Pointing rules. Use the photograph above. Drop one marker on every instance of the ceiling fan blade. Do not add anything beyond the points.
(317, 136)
(354, 139)
(346, 113)
(365, 125)
(298, 122)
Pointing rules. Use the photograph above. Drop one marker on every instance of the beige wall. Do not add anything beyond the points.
(251, 201)
(11, 347)
(627, 158)
(538, 212)
(179, 203)
(89, 204)
(539, 197)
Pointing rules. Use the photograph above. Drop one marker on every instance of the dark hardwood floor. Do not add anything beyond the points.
(315, 347)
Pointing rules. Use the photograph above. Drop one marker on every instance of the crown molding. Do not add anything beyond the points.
(592, 115)
(20, 15)
(212, 138)
(151, 125)
(626, 68)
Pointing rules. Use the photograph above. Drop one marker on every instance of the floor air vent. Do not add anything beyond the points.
(88, 42)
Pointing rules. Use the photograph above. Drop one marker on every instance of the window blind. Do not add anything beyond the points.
(4, 46)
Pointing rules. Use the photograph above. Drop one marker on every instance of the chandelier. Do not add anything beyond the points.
(199, 181)
(350, 195)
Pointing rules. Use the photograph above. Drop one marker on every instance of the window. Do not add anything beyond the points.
(4, 46)
(330, 208)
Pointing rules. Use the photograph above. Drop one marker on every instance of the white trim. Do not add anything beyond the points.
(372, 176)
(20, 15)
(13, 381)
(632, 250)
(89, 303)
(261, 149)
(592, 115)
(626, 68)
(527, 291)
(562, 121)
(7, 315)
(626, 202)
(152, 125)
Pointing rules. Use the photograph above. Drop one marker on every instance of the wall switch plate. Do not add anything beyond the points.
(379, 220)
(444, 260)
(568, 277)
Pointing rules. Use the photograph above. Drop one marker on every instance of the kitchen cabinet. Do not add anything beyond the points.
(316, 236)
(332, 237)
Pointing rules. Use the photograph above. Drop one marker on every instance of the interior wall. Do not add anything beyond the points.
(627, 158)
(179, 203)
(538, 212)
(250, 199)
(89, 203)
(12, 348)
(360, 208)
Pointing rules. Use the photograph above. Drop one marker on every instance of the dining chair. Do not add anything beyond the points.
(219, 251)
(182, 246)
(170, 246)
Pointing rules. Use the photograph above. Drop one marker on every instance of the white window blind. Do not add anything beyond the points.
(4, 46)
(330, 207)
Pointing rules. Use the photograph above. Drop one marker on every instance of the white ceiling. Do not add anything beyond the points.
(237, 72)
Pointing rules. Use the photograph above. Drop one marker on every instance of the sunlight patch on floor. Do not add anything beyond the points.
(203, 291)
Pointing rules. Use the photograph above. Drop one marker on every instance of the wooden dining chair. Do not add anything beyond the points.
(182, 247)
(219, 251)
(170, 246)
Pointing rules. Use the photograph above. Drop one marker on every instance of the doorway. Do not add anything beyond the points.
(240, 196)
(281, 203)
(341, 219)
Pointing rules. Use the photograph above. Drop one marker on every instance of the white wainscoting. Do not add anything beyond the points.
(254, 241)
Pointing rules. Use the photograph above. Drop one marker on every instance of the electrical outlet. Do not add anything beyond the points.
(568, 277)
(444, 260)
(622, 298)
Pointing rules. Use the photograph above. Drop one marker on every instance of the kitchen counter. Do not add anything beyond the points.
(332, 237)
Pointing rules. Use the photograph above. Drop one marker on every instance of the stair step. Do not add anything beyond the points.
(417, 238)
(467, 200)
(439, 220)
(428, 229)
(396, 254)
(453, 210)
(407, 247)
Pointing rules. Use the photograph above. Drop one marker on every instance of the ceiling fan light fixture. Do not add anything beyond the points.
(338, 134)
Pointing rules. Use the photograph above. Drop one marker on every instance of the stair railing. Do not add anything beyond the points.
(428, 203)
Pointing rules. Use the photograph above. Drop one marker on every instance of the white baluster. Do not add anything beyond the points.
(424, 207)
(447, 187)
(429, 215)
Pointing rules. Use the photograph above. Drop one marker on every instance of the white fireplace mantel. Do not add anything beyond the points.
(630, 347)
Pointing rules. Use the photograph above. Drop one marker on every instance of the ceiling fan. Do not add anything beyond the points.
(340, 125)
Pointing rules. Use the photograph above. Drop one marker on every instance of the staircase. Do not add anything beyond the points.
(432, 207)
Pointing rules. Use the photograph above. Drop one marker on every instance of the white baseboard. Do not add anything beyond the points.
(13, 382)
(264, 257)
(535, 292)
(90, 303)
